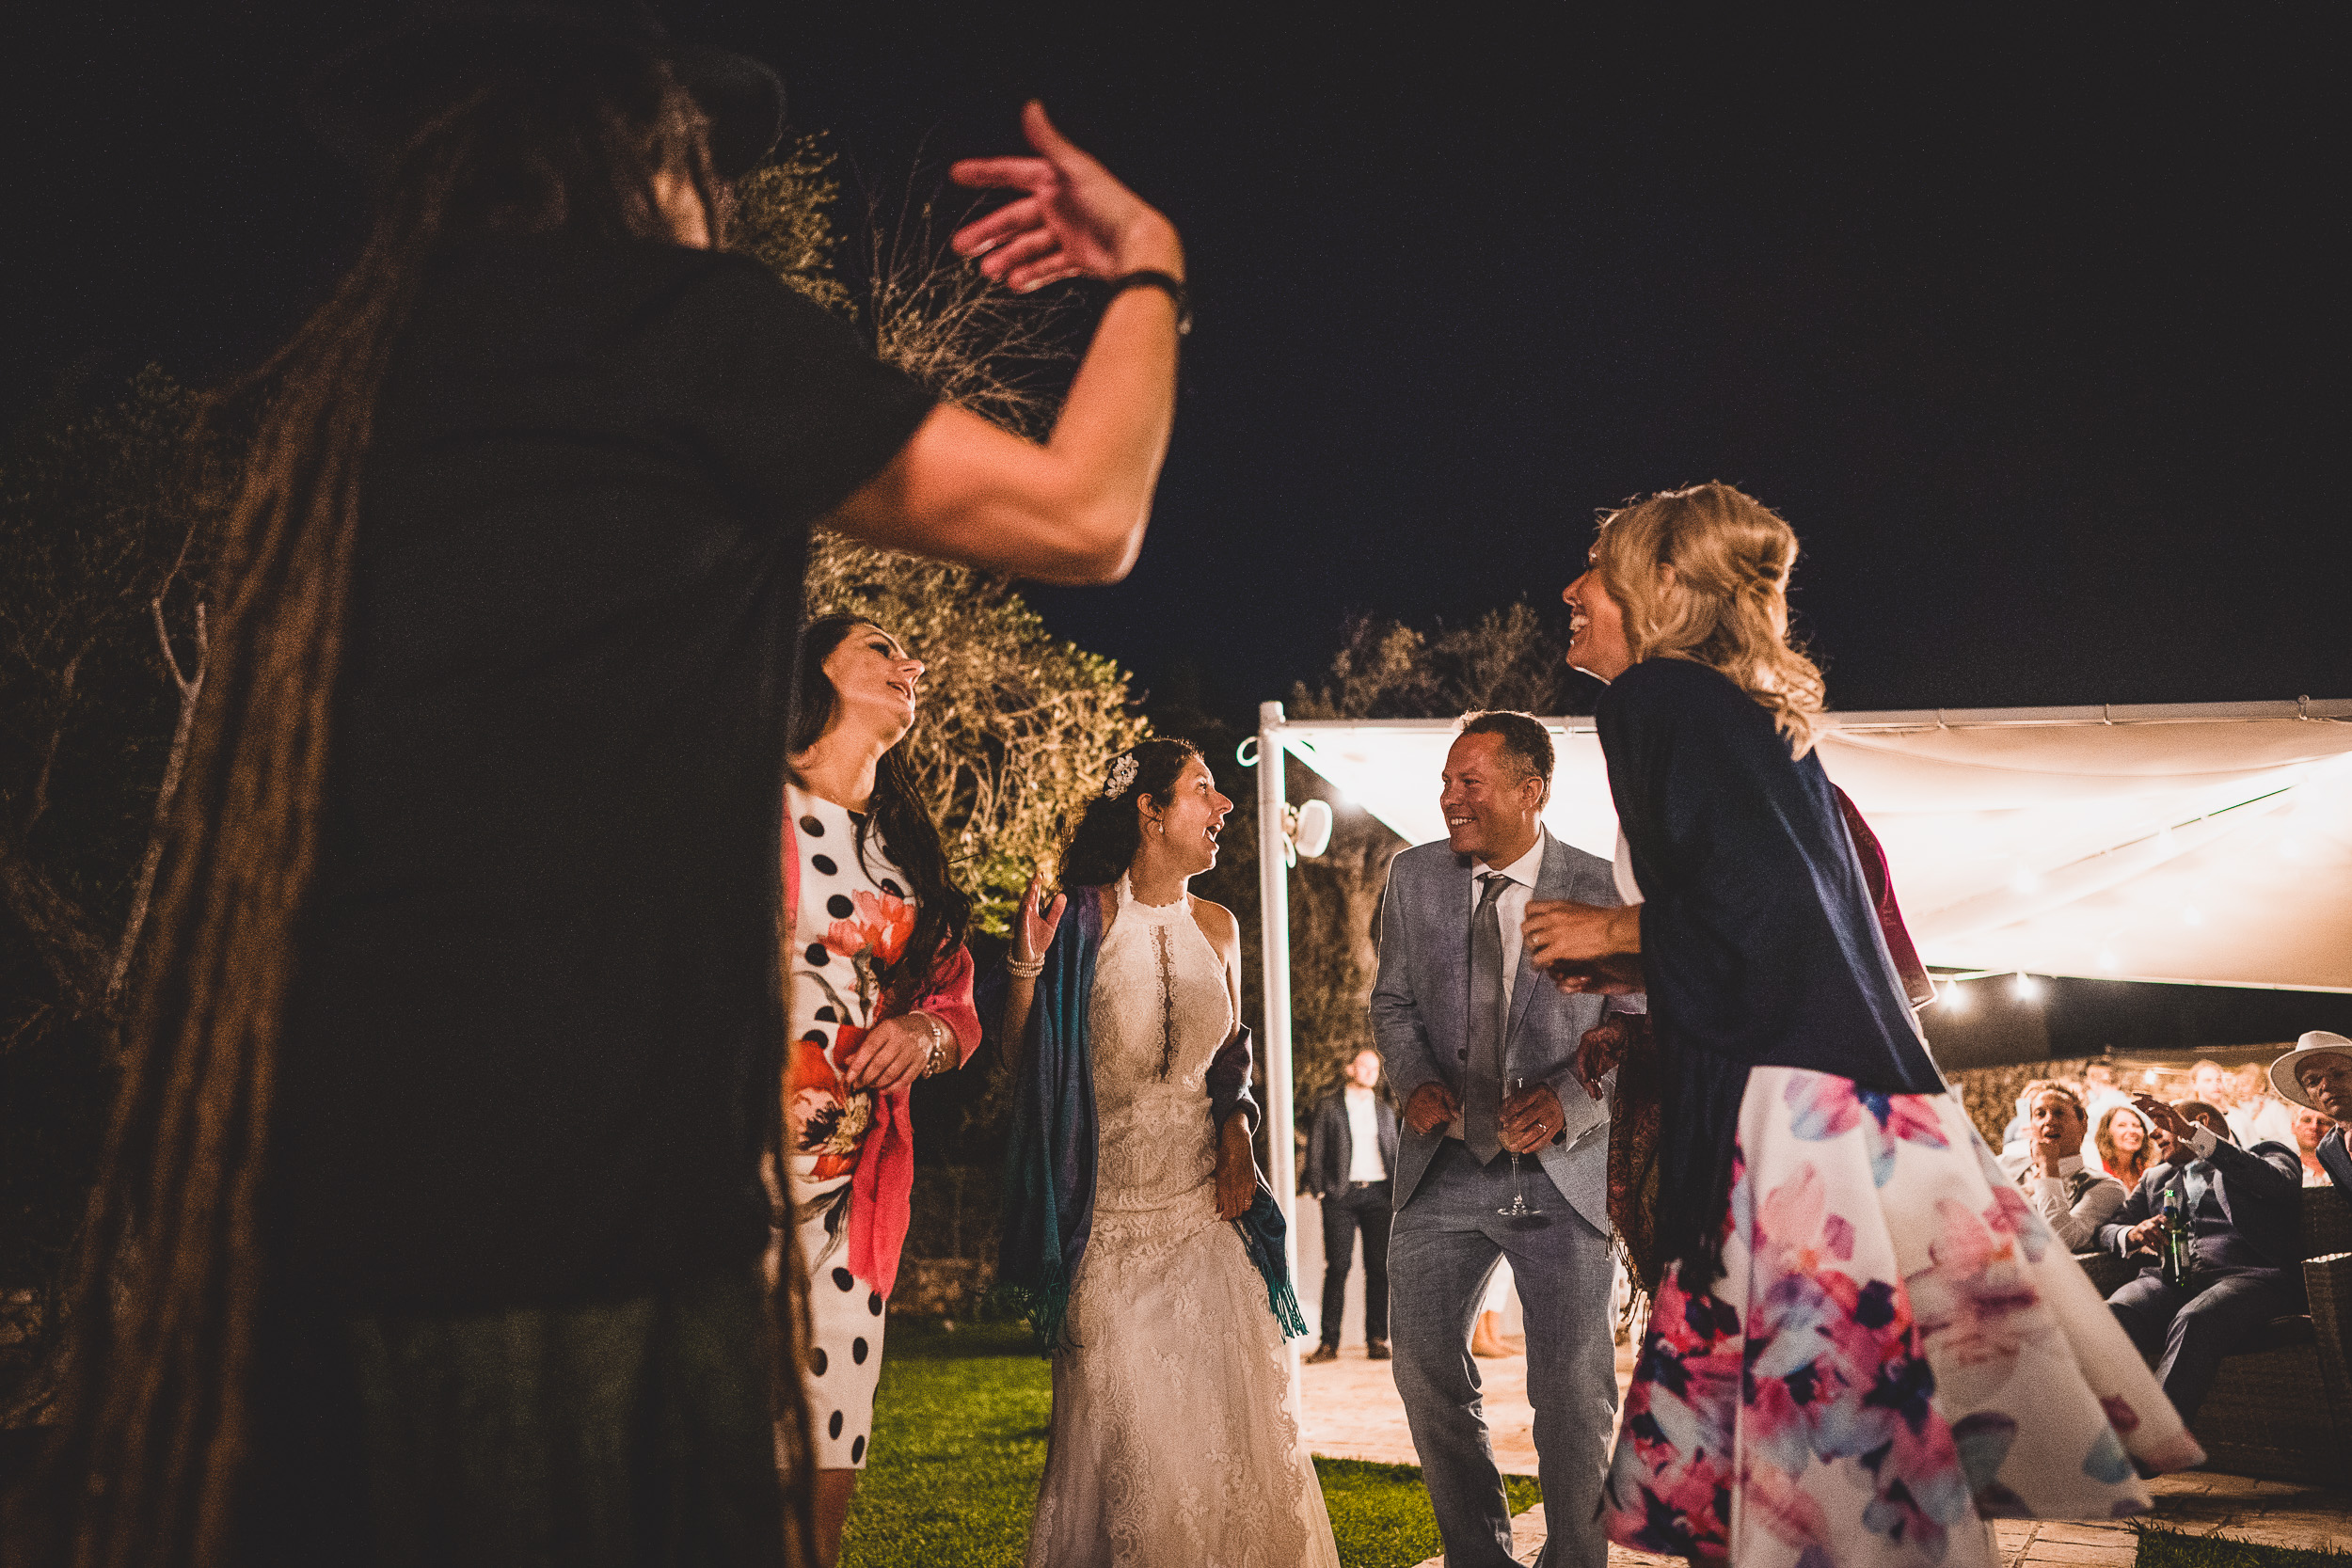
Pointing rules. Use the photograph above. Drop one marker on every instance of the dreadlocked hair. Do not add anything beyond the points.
(898, 815)
(172, 1275)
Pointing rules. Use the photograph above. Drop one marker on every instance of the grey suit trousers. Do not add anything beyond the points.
(1447, 1241)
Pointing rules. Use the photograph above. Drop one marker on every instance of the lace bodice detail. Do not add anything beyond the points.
(1160, 1012)
(1169, 1328)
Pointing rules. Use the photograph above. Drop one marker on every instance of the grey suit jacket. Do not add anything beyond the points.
(1420, 1011)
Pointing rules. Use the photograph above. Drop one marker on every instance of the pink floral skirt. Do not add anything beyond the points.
(1899, 1350)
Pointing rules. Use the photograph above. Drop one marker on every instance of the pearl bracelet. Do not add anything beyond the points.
(1024, 971)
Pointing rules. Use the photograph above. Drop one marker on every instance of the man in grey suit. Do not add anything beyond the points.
(1460, 1015)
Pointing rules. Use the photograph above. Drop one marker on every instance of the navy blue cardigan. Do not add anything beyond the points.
(1760, 940)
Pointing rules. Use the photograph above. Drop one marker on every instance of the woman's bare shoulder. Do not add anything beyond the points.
(1215, 921)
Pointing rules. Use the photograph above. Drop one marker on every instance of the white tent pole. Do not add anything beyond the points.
(1273, 935)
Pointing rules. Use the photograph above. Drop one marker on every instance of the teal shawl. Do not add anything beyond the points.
(1051, 1154)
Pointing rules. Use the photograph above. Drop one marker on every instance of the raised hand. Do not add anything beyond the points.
(1075, 219)
(2166, 1122)
(1038, 920)
(1605, 1045)
(1558, 931)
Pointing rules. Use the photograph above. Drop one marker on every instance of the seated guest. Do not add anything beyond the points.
(2254, 1116)
(2122, 1141)
(2100, 1089)
(2244, 1210)
(2317, 1075)
(2015, 1135)
(2076, 1200)
(2309, 1128)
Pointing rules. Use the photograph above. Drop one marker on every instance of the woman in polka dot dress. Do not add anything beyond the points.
(882, 996)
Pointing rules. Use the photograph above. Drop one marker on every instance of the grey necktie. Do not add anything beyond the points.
(1482, 1085)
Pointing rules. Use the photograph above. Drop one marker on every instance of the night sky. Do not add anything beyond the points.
(2035, 334)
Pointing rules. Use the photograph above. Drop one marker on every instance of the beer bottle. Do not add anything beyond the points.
(2174, 1254)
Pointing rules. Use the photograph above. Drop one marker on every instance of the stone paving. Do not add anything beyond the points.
(2266, 1513)
(1351, 1411)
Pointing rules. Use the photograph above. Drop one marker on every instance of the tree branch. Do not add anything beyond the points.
(191, 685)
(69, 949)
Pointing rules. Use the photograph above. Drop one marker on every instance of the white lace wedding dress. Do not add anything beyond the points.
(1174, 1439)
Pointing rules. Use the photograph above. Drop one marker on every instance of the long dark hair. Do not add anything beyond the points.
(158, 1406)
(897, 814)
(1111, 831)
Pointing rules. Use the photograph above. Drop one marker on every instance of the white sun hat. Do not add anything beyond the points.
(2320, 1041)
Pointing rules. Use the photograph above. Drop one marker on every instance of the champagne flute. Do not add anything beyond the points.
(1519, 1208)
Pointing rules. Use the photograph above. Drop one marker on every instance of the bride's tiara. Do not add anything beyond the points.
(1123, 774)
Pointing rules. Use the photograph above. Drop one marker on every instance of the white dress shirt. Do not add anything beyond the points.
(2076, 1223)
(1364, 1134)
(1511, 909)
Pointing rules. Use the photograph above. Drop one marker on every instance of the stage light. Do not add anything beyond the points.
(1306, 830)
(2027, 988)
(1313, 834)
(1954, 999)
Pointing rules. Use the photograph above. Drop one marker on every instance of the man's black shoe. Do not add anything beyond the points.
(1377, 1351)
(1325, 1353)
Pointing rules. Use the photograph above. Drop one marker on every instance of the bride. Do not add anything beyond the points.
(1137, 1231)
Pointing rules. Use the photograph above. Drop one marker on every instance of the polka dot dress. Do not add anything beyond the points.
(854, 917)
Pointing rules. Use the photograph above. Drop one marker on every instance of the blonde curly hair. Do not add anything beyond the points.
(1702, 574)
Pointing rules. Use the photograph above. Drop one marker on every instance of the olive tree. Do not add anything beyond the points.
(1016, 723)
(106, 517)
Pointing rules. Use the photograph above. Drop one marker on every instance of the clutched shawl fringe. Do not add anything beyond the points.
(1051, 1149)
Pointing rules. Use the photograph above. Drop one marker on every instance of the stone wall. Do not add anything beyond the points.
(1991, 1092)
(950, 1259)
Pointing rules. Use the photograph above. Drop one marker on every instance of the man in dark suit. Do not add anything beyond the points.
(2245, 1213)
(1351, 1151)
(1482, 1050)
(2317, 1075)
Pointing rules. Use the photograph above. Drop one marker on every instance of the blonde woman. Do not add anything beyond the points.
(2123, 1144)
(1864, 1342)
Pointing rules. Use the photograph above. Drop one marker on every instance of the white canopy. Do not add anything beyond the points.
(2209, 844)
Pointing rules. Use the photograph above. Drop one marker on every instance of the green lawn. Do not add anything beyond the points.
(959, 1441)
(2164, 1548)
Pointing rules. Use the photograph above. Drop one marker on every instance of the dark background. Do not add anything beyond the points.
(2033, 330)
(2032, 327)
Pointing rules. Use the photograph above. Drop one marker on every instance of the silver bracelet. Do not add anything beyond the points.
(1021, 971)
(939, 1059)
